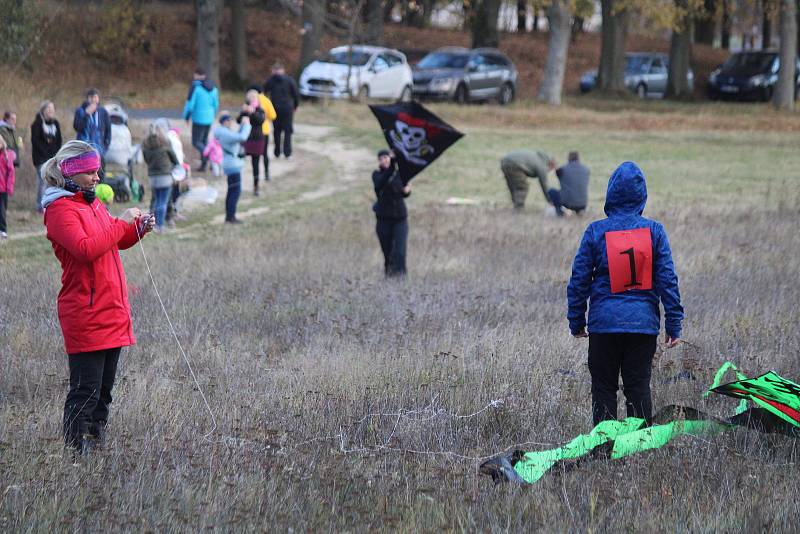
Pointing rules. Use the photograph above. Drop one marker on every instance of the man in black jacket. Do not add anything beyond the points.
(390, 210)
(282, 91)
(45, 142)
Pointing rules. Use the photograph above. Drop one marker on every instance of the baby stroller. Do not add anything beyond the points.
(120, 156)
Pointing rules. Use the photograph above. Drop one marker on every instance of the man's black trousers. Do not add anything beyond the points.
(283, 127)
(91, 378)
(630, 355)
(393, 236)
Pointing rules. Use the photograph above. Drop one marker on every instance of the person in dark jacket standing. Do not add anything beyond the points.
(574, 192)
(93, 306)
(282, 91)
(254, 146)
(624, 268)
(390, 211)
(92, 123)
(45, 142)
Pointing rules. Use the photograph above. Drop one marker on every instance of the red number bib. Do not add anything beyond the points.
(630, 259)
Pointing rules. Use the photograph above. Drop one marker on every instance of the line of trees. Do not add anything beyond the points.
(689, 21)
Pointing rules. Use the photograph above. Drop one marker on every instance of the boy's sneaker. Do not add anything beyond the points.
(3, 235)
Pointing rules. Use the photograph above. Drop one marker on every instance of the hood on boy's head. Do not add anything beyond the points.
(207, 84)
(627, 191)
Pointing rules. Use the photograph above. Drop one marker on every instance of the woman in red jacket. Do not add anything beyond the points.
(93, 304)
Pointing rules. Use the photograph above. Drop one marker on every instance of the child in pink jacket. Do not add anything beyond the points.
(213, 152)
(7, 178)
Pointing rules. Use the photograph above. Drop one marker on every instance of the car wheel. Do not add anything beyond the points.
(406, 95)
(462, 94)
(641, 90)
(506, 94)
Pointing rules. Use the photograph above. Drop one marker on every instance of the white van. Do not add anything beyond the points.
(374, 72)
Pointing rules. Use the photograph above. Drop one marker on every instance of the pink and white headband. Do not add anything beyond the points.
(88, 162)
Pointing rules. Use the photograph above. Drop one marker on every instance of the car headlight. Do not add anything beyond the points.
(443, 84)
(758, 80)
(713, 76)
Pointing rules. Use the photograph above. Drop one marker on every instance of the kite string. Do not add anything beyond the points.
(175, 336)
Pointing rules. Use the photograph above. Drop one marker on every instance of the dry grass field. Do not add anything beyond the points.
(344, 402)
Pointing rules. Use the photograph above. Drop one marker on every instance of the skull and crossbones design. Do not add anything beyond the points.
(410, 137)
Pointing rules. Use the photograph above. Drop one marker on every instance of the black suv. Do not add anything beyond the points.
(747, 75)
(465, 75)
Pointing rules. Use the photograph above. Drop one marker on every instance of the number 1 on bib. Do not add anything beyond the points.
(630, 259)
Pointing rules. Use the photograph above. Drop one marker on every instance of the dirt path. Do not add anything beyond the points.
(347, 166)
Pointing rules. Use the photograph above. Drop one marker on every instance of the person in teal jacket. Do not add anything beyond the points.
(624, 269)
(233, 159)
(202, 104)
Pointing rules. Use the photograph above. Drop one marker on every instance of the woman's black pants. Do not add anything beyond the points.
(91, 378)
(630, 355)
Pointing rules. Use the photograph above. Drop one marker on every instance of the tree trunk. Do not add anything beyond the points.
(535, 27)
(522, 16)
(313, 28)
(483, 23)
(208, 16)
(558, 17)
(766, 24)
(388, 6)
(785, 88)
(427, 12)
(373, 29)
(680, 55)
(705, 24)
(577, 27)
(611, 73)
(725, 25)
(239, 43)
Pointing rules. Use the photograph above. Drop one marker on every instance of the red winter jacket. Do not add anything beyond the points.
(93, 302)
(7, 174)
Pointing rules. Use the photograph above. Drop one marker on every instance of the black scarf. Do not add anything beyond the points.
(72, 187)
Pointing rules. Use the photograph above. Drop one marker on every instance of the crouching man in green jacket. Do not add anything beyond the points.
(519, 166)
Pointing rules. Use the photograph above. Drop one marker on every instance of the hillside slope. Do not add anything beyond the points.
(166, 54)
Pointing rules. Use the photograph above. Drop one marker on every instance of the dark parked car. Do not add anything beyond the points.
(747, 76)
(465, 75)
(645, 74)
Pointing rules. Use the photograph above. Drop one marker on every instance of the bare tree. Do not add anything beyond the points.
(680, 53)
(239, 42)
(313, 29)
(522, 16)
(785, 88)
(766, 23)
(725, 25)
(705, 23)
(373, 21)
(483, 17)
(558, 17)
(611, 74)
(208, 16)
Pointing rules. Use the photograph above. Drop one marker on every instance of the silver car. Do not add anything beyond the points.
(645, 74)
(465, 75)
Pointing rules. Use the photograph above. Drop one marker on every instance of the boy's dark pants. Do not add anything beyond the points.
(91, 378)
(393, 236)
(283, 127)
(200, 140)
(632, 356)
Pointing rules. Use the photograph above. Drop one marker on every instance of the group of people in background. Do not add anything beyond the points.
(267, 109)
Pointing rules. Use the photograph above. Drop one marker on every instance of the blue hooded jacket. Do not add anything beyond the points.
(634, 311)
(202, 103)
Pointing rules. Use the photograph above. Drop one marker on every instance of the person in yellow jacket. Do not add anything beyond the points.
(270, 115)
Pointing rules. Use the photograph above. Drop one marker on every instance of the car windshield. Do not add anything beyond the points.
(444, 60)
(751, 62)
(342, 57)
(636, 63)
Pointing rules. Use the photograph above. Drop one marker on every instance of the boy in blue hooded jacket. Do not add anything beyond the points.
(623, 268)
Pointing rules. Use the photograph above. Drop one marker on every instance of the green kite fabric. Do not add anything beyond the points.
(629, 436)
(616, 439)
(770, 391)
